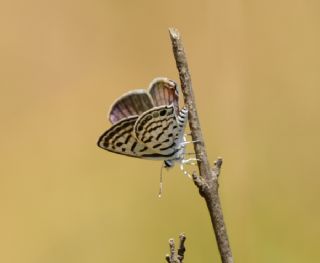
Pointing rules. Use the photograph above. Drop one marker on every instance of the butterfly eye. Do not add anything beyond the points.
(163, 112)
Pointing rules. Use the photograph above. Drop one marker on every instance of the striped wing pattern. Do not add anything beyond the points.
(147, 124)
(160, 130)
(156, 134)
(120, 139)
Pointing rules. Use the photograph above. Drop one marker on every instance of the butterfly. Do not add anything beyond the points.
(148, 124)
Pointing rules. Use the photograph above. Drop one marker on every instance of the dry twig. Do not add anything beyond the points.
(176, 256)
(207, 182)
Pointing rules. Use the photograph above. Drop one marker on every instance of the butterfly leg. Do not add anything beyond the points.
(187, 142)
(185, 161)
(190, 161)
(184, 171)
(184, 142)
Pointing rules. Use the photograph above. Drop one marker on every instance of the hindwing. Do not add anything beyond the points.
(164, 92)
(158, 129)
(133, 103)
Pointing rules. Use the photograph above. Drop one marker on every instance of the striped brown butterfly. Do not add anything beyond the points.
(148, 124)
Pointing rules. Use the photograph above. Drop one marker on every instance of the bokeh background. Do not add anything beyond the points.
(255, 68)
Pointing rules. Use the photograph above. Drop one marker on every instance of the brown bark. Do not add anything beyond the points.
(207, 182)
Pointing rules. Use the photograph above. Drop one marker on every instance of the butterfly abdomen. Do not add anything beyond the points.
(182, 116)
(182, 119)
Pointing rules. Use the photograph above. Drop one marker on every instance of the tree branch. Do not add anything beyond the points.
(207, 182)
(176, 256)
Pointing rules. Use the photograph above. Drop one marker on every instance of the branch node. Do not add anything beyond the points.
(200, 183)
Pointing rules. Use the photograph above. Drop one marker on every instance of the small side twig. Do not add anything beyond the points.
(207, 182)
(176, 256)
(203, 187)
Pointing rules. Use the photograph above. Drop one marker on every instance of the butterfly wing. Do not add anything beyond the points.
(120, 139)
(164, 92)
(160, 130)
(146, 124)
(133, 103)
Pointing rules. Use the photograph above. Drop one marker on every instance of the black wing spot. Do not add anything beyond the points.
(157, 145)
(163, 112)
(144, 121)
(159, 135)
(148, 140)
(118, 144)
(160, 155)
(170, 146)
(127, 139)
(133, 146)
(145, 148)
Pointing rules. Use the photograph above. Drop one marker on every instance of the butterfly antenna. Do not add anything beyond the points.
(161, 181)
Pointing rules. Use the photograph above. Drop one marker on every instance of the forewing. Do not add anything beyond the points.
(159, 130)
(164, 92)
(133, 103)
(120, 139)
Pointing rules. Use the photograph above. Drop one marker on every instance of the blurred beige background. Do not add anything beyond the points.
(255, 68)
